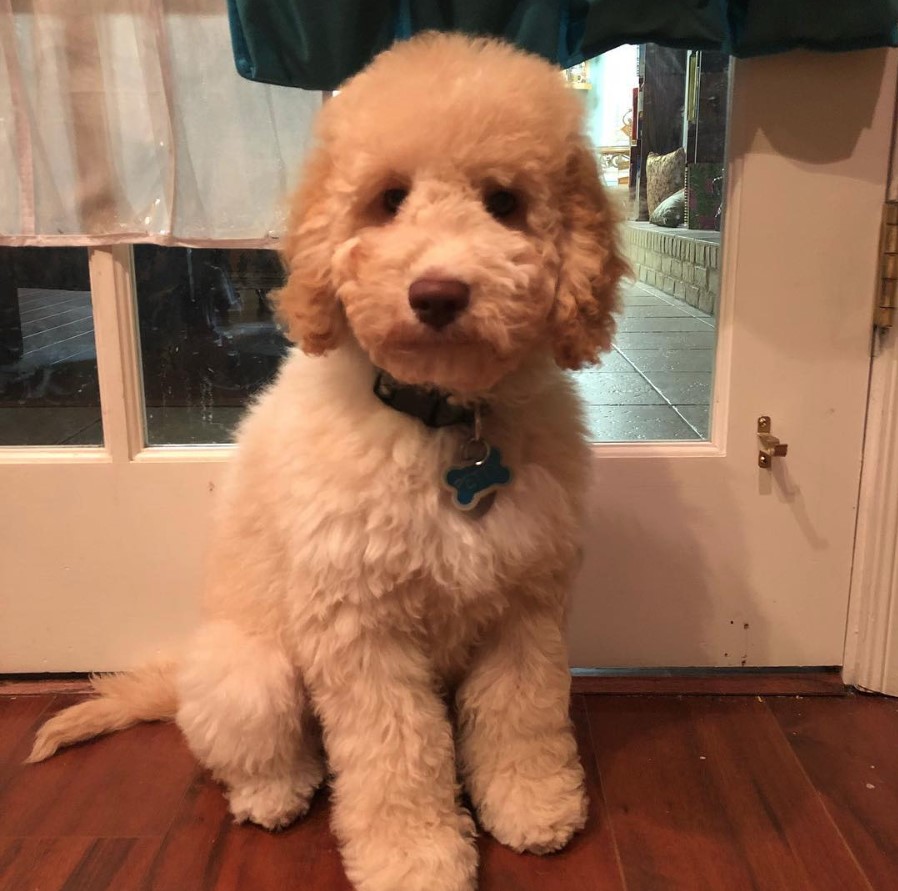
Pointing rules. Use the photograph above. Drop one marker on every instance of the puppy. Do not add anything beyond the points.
(401, 519)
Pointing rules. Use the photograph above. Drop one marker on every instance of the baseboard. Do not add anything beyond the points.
(787, 681)
(43, 684)
(826, 681)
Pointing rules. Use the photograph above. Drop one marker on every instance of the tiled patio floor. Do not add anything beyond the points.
(656, 382)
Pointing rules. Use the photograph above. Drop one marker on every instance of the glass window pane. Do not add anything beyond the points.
(208, 338)
(657, 120)
(49, 389)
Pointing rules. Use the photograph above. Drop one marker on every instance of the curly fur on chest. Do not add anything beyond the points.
(346, 494)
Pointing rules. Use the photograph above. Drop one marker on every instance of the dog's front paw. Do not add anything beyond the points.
(274, 804)
(432, 858)
(535, 814)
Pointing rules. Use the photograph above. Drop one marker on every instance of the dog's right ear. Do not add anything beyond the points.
(307, 304)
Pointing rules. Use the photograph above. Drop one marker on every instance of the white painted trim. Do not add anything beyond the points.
(185, 454)
(726, 303)
(213, 453)
(675, 449)
(871, 637)
(118, 350)
(52, 455)
(871, 643)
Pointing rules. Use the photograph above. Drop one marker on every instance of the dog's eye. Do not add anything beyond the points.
(392, 200)
(501, 204)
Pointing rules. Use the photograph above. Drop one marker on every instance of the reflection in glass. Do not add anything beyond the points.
(208, 338)
(657, 119)
(49, 390)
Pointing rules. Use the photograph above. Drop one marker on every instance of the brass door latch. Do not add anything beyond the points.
(770, 446)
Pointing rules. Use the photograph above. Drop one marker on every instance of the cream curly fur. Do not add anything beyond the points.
(346, 593)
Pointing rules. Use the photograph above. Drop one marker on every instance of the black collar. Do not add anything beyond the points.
(431, 407)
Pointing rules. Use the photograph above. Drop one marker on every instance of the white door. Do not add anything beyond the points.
(696, 556)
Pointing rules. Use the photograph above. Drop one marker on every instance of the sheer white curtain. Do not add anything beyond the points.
(125, 120)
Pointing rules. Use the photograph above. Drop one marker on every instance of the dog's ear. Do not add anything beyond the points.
(307, 304)
(591, 264)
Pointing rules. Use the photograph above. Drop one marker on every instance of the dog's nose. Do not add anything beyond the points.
(437, 301)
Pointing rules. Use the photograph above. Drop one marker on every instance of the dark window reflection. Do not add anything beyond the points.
(208, 338)
(49, 391)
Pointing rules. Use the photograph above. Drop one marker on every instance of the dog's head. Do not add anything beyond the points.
(452, 218)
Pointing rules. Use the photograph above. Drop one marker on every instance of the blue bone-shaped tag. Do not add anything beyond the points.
(469, 483)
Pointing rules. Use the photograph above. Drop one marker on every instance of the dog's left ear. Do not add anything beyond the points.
(307, 303)
(591, 264)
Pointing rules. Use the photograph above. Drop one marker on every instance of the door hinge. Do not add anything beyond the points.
(888, 284)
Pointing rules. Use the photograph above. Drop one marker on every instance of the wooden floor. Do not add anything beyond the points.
(688, 792)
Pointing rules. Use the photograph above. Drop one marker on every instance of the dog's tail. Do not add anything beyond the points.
(146, 694)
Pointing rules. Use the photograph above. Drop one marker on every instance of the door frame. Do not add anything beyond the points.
(871, 637)
(871, 641)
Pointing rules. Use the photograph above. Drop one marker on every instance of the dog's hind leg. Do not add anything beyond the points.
(244, 713)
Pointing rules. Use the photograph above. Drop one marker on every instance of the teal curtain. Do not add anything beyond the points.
(316, 44)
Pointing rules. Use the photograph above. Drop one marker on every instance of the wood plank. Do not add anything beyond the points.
(206, 851)
(589, 862)
(75, 864)
(699, 793)
(710, 683)
(19, 718)
(849, 749)
(125, 785)
(705, 793)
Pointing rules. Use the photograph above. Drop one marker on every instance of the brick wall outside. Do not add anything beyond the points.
(683, 264)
